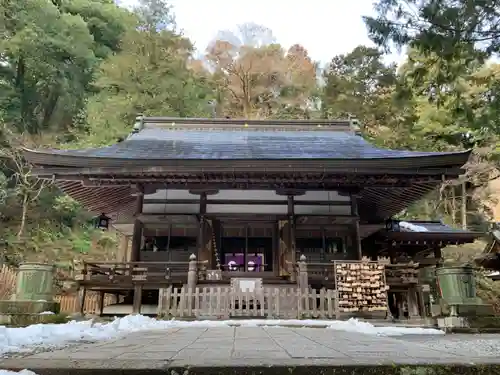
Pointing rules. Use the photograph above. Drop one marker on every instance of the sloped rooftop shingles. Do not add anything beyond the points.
(254, 144)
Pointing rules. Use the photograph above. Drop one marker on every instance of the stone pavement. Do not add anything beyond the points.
(262, 346)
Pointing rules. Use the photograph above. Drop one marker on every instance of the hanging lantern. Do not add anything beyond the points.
(102, 222)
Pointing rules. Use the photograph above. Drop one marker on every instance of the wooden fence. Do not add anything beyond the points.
(267, 302)
(70, 303)
(8, 278)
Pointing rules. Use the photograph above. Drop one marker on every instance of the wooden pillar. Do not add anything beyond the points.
(137, 235)
(136, 241)
(137, 302)
(101, 302)
(463, 207)
(276, 249)
(291, 233)
(201, 233)
(421, 302)
(82, 293)
(412, 301)
(438, 256)
(392, 253)
(358, 251)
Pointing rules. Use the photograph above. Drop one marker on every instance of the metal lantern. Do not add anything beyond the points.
(102, 222)
(392, 225)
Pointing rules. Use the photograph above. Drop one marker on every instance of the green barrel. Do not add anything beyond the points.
(456, 285)
(34, 282)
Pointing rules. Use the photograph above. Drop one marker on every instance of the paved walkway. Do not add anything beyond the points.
(268, 346)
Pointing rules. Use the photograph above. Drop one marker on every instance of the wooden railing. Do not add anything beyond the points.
(8, 278)
(266, 302)
(132, 272)
(402, 274)
(69, 304)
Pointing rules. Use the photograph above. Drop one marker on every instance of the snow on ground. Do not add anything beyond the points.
(23, 372)
(57, 335)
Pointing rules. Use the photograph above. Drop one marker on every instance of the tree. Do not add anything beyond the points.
(455, 101)
(254, 77)
(49, 53)
(155, 15)
(152, 76)
(359, 84)
(19, 182)
(444, 27)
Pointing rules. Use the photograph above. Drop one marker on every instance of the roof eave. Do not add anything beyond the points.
(53, 158)
(445, 236)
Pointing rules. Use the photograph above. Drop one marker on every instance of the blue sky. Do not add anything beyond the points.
(325, 27)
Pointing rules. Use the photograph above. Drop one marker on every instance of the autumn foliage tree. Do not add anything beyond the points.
(259, 80)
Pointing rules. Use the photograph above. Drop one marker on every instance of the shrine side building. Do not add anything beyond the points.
(249, 198)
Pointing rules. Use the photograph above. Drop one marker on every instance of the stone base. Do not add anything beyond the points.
(8, 307)
(13, 311)
(464, 309)
(451, 323)
(478, 324)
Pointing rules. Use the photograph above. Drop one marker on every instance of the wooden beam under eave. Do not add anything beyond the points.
(247, 202)
(92, 168)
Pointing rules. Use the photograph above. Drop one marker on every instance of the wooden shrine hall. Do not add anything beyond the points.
(249, 198)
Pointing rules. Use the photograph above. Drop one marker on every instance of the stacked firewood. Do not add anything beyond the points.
(401, 274)
(361, 287)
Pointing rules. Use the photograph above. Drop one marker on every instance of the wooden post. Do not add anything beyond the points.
(291, 233)
(276, 249)
(82, 293)
(137, 235)
(136, 307)
(101, 302)
(412, 304)
(356, 236)
(438, 256)
(303, 281)
(464, 207)
(421, 302)
(392, 254)
(192, 278)
(135, 254)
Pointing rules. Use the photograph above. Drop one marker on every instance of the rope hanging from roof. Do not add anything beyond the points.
(218, 265)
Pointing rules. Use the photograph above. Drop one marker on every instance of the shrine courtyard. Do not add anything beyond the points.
(270, 350)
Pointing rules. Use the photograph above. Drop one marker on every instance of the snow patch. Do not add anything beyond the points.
(22, 372)
(57, 335)
(412, 227)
